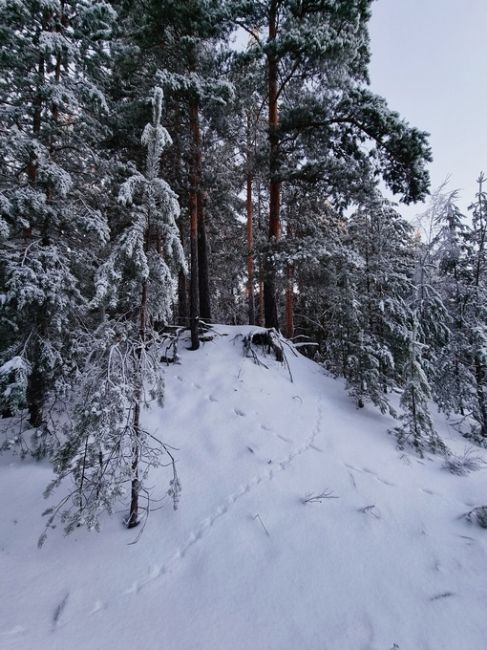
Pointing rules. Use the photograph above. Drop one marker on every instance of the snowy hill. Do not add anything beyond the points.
(384, 561)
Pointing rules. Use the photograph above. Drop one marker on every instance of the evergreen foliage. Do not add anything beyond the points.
(268, 186)
(106, 448)
(416, 427)
(53, 104)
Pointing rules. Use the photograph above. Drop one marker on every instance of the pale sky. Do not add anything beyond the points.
(429, 60)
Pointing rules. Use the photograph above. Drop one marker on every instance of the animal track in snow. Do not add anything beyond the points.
(267, 429)
(355, 469)
(207, 523)
(98, 607)
(366, 470)
(315, 448)
(133, 589)
(383, 480)
(444, 594)
(283, 438)
(239, 412)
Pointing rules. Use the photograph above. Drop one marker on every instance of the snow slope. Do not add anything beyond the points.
(245, 563)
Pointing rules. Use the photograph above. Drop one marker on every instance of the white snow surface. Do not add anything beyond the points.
(244, 563)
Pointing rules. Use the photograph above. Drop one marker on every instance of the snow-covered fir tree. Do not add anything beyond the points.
(415, 424)
(107, 452)
(451, 376)
(476, 313)
(53, 72)
(383, 240)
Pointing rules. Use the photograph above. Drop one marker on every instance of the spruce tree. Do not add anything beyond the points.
(451, 376)
(476, 312)
(416, 426)
(52, 78)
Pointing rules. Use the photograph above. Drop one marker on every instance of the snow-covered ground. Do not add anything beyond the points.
(245, 564)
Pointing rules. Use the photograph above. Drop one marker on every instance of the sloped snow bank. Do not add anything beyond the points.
(246, 563)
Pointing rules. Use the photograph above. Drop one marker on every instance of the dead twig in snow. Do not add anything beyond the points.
(257, 516)
(318, 498)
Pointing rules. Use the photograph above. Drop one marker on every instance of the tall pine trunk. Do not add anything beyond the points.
(270, 298)
(289, 290)
(183, 309)
(250, 250)
(250, 222)
(203, 273)
(193, 236)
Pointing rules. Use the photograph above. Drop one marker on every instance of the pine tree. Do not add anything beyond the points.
(316, 55)
(107, 447)
(189, 68)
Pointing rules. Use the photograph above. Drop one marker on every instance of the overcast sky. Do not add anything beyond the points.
(429, 60)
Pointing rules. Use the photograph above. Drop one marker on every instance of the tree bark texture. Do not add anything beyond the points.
(203, 272)
(193, 214)
(270, 298)
(250, 250)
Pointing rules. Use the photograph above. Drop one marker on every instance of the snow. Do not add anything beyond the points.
(244, 563)
(15, 363)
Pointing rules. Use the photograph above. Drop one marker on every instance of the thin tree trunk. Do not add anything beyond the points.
(260, 311)
(480, 381)
(133, 519)
(289, 288)
(270, 298)
(261, 314)
(193, 212)
(250, 222)
(290, 302)
(182, 299)
(36, 124)
(203, 274)
(250, 250)
(35, 392)
(182, 313)
(479, 366)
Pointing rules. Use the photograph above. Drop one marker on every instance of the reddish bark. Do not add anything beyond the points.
(270, 299)
(203, 274)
